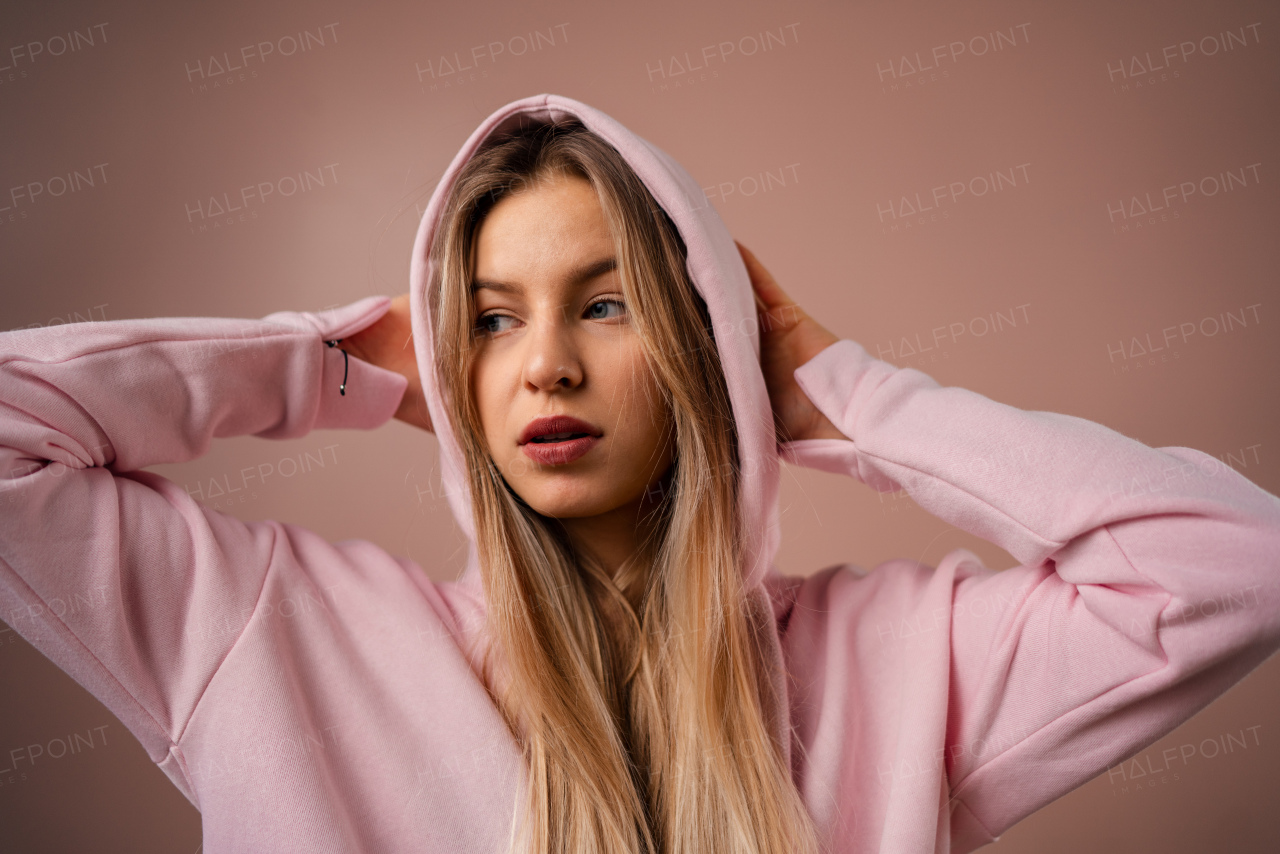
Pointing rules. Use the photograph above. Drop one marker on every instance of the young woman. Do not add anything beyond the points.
(621, 667)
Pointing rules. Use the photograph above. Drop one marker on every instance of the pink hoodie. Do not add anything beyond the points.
(313, 697)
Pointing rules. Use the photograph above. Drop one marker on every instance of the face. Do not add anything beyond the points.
(569, 406)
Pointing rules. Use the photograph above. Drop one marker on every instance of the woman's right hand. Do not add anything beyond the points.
(388, 343)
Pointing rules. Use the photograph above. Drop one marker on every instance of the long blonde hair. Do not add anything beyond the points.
(640, 701)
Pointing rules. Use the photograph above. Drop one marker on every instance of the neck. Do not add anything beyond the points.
(615, 538)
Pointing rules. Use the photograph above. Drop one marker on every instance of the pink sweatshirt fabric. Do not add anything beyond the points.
(312, 696)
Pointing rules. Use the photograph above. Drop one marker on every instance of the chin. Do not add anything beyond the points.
(568, 500)
(560, 508)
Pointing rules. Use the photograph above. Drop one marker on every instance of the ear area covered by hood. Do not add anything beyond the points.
(717, 271)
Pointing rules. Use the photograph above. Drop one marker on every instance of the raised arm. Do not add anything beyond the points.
(116, 574)
(1149, 584)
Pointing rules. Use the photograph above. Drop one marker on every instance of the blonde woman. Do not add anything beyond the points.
(612, 383)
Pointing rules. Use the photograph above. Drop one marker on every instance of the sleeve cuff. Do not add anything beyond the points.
(372, 398)
(840, 379)
(373, 394)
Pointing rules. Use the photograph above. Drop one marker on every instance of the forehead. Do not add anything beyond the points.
(542, 230)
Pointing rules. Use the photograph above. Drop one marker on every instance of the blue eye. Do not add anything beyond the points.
(494, 323)
(605, 309)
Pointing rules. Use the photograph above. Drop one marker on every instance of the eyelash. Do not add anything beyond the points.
(481, 326)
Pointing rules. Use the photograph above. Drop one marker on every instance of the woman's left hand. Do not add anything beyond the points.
(388, 343)
(789, 337)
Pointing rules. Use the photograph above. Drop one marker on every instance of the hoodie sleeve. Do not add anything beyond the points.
(1149, 584)
(116, 574)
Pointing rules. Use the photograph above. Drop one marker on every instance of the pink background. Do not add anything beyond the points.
(1066, 207)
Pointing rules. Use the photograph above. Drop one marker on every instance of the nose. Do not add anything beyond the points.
(551, 359)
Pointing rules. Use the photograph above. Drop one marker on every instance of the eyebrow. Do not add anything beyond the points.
(578, 275)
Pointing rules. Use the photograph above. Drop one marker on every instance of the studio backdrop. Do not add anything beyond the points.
(1064, 206)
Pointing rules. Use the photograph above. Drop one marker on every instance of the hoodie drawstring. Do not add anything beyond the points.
(342, 389)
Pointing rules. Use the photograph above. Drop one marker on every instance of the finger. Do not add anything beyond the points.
(762, 282)
(761, 308)
(775, 311)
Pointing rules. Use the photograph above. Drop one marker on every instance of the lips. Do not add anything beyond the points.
(558, 439)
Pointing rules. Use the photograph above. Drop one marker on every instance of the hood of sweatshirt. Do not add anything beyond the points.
(714, 266)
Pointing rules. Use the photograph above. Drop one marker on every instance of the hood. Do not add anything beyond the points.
(717, 271)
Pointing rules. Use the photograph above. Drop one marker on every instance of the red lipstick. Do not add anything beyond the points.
(557, 439)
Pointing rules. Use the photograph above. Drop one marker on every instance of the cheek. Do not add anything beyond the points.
(645, 410)
(489, 384)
